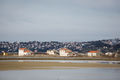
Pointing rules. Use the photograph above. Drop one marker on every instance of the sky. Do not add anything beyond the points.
(59, 20)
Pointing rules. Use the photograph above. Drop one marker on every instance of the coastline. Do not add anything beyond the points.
(56, 58)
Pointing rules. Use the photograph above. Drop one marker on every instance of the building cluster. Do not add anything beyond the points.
(66, 52)
(104, 46)
(61, 52)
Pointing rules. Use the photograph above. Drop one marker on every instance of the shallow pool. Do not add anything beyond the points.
(63, 74)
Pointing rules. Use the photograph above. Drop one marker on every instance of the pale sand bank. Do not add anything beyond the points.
(52, 65)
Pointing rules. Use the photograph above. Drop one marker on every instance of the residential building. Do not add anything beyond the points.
(24, 52)
(52, 52)
(64, 52)
(93, 53)
(109, 54)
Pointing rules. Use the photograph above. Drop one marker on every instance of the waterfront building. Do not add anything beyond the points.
(93, 53)
(24, 52)
(109, 54)
(65, 52)
(52, 52)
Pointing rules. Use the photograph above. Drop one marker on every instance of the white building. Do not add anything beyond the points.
(93, 53)
(109, 54)
(64, 52)
(24, 51)
(52, 52)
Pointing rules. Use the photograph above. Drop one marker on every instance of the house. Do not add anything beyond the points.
(109, 54)
(52, 52)
(65, 52)
(117, 55)
(24, 52)
(93, 53)
(4, 53)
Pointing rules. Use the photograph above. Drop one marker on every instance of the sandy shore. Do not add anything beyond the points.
(51, 65)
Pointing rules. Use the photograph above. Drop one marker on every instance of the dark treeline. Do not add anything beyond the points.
(111, 45)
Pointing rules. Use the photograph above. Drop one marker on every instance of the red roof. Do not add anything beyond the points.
(93, 51)
(66, 50)
(27, 51)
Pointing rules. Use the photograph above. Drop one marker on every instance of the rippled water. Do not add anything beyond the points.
(64, 74)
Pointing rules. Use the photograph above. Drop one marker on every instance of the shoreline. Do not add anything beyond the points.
(56, 58)
(51, 65)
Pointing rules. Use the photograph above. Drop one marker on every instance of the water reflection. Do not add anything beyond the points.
(66, 74)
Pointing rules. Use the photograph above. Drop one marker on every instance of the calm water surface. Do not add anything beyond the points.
(63, 74)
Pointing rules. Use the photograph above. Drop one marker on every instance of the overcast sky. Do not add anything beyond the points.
(59, 20)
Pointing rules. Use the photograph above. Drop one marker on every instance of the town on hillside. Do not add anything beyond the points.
(110, 48)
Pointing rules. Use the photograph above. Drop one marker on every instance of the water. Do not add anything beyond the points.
(64, 61)
(63, 74)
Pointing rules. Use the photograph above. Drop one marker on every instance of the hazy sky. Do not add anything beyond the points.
(59, 20)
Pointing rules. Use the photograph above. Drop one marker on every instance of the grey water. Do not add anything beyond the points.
(64, 61)
(62, 74)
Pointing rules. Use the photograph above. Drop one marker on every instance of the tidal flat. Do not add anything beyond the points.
(59, 70)
(52, 65)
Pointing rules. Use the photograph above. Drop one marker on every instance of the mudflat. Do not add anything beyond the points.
(51, 65)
